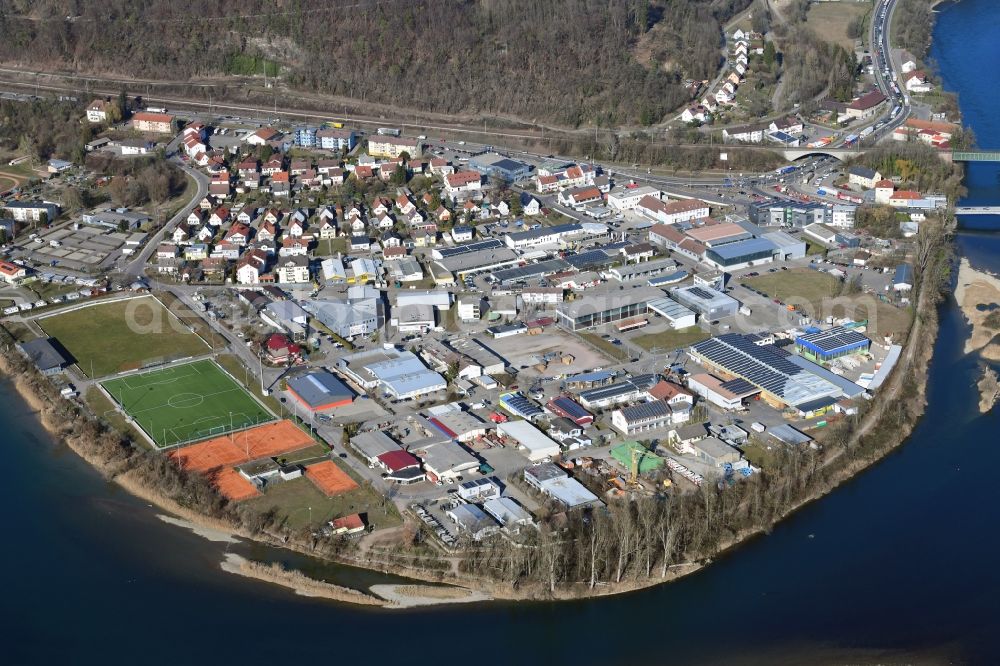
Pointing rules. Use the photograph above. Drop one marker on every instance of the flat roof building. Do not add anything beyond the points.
(825, 346)
(594, 310)
(715, 452)
(399, 373)
(556, 483)
(319, 391)
(741, 254)
(536, 444)
(677, 315)
(709, 303)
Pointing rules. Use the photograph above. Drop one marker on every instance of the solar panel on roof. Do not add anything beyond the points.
(701, 293)
(739, 386)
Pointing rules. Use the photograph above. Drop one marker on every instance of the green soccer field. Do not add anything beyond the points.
(186, 402)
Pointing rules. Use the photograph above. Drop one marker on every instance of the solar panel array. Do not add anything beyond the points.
(518, 404)
(488, 244)
(518, 273)
(765, 367)
(835, 338)
(758, 365)
(570, 408)
(646, 411)
(589, 259)
(703, 294)
(739, 386)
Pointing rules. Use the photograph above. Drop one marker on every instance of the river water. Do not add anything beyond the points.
(896, 566)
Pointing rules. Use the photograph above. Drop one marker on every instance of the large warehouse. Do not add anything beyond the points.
(709, 303)
(825, 346)
(536, 444)
(782, 383)
(319, 391)
(733, 256)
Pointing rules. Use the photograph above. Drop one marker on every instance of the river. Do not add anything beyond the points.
(896, 566)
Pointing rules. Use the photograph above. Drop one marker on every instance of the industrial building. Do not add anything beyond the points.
(319, 391)
(401, 466)
(399, 373)
(536, 444)
(347, 319)
(508, 513)
(825, 346)
(444, 459)
(459, 425)
(371, 445)
(733, 256)
(471, 520)
(782, 383)
(786, 246)
(726, 395)
(500, 166)
(642, 269)
(543, 235)
(518, 405)
(557, 484)
(709, 303)
(479, 490)
(715, 452)
(566, 407)
(590, 311)
(677, 315)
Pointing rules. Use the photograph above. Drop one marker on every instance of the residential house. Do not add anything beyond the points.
(917, 82)
(293, 247)
(863, 176)
(97, 111)
(280, 185)
(462, 181)
(158, 123)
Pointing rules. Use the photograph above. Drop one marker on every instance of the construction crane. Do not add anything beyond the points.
(633, 468)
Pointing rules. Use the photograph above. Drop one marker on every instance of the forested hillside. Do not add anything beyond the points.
(564, 61)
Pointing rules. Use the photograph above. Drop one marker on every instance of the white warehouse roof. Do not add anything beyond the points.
(537, 443)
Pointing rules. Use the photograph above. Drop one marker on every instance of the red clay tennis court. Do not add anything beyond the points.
(330, 479)
(234, 485)
(229, 450)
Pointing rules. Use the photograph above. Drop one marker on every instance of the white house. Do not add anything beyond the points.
(293, 270)
(917, 82)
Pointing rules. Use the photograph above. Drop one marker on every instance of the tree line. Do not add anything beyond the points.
(565, 61)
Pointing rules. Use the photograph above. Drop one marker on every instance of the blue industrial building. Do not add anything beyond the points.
(832, 343)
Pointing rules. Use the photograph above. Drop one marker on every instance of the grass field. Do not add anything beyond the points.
(830, 19)
(184, 402)
(669, 340)
(805, 285)
(108, 338)
(301, 505)
(613, 352)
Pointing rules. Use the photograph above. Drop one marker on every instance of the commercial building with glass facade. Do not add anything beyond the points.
(598, 309)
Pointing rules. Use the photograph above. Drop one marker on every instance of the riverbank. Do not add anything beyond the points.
(978, 294)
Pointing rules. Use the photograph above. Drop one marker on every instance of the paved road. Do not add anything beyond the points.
(136, 267)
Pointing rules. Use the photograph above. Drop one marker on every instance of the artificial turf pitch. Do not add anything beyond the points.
(186, 402)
